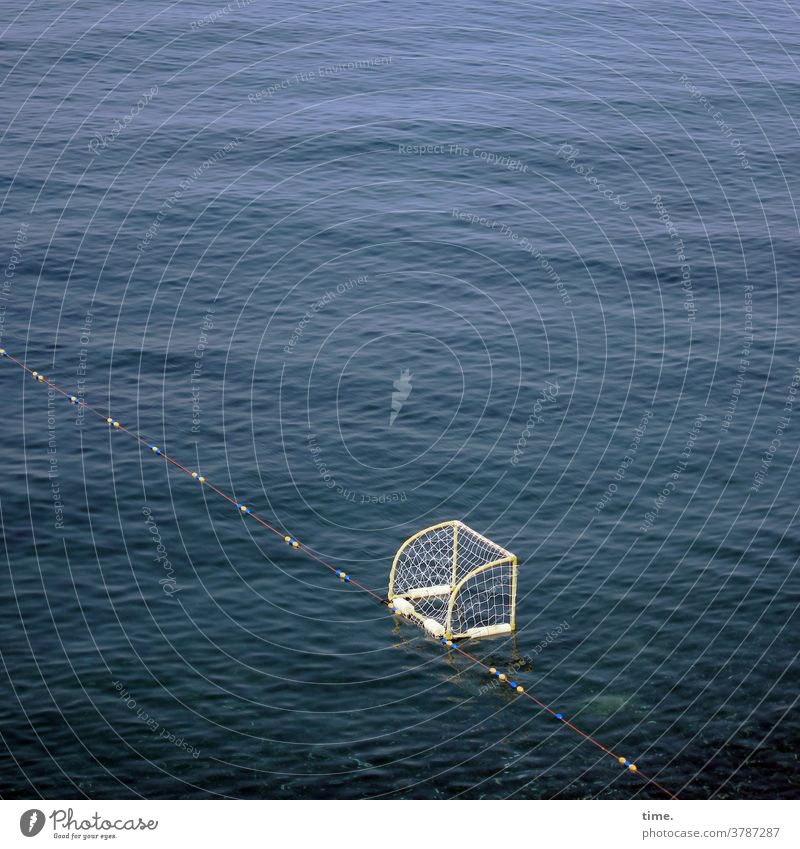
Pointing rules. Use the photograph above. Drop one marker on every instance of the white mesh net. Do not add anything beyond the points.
(484, 601)
(454, 579)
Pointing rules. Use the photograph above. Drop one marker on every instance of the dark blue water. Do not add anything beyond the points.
(234, 227)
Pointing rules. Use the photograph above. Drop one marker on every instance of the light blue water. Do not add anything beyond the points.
(234, 228)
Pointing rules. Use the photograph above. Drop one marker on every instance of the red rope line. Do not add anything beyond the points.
(566, 722)
(450, 644)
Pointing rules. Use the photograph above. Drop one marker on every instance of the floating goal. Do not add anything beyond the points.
(455, 582)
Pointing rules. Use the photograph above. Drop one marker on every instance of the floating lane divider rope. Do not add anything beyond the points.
(244, 510)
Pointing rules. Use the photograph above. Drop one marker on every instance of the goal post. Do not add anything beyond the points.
(455, 582)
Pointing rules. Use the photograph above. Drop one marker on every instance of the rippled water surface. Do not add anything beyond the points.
(234, 228)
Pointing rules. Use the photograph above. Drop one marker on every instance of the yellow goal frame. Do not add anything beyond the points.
(455, 586)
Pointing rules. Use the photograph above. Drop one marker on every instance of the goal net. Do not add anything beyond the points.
(455, 582)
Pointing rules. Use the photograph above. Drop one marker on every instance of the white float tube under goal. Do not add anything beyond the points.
(436, 629)
(455, 547)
